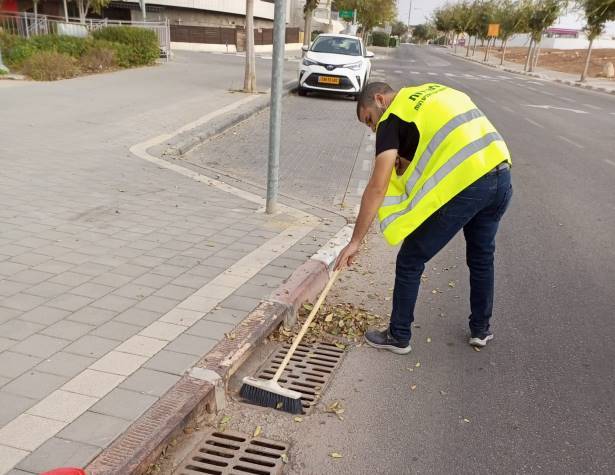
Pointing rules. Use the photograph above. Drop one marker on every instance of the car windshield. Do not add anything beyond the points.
(337, 45)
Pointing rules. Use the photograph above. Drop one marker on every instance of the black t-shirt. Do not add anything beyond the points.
(394, 133)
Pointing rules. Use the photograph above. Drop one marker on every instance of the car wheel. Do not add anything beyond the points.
(301, 91)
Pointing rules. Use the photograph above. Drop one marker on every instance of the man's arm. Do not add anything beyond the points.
(370, 202)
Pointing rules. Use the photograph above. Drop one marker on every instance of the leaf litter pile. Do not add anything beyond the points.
(338, 324)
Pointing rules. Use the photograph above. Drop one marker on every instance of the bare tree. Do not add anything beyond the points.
(597, 12)
(249, 80)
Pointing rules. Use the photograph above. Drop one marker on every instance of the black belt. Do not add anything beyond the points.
(502, 166)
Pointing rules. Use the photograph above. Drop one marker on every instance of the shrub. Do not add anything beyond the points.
(69, 45)
(50, 66)
(15, 50)
(98, 58)
(143, 43)
(380, 38)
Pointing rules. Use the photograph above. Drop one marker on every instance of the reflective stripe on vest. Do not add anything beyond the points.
(457, 159)
(434, 143)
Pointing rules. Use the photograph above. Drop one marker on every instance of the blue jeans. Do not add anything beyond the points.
(477, 210)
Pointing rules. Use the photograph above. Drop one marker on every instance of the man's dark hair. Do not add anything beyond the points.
(366, 99)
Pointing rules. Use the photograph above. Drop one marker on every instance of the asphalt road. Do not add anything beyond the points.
(541, 397)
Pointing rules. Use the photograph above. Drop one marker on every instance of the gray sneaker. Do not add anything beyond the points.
(384, 340)
(481, 339)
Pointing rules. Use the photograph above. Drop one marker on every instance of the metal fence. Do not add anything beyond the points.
(29, 24)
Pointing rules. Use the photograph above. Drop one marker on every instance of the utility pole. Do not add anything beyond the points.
(65, 12)
(142, 3)
(275, 117)
(409, 14)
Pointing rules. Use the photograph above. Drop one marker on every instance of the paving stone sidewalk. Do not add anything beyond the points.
(116, 276)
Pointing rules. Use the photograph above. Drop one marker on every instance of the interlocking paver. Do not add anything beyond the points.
(8, 287)
(53, 266)
(47, 289)
(92, 346)
(191, 344)
(131, 270)
(147, 381)
(171, 362)
(94, 429)
(71, 279)
(7, 314)
(19, 329)
(42, 346)
(174, 292)
(57, 452)
(8, 268)
(116, 330)
(138, 316)
(22, 301)
(92, 290)
(62, 406)
(92, 315)
(65, 364)
(70, 302)
(134, 291)
(93, 383)
(5, 343)
(163, 331)
(111, 279)
(9, 456)
(31, 259)
(210, 329)
(114, 302)
(14, 364)
(153, 280)
(116, 362)
(157, 304)
(241, 303)
(68, 330)
(124, 404)
(34, 384)
(12, 406)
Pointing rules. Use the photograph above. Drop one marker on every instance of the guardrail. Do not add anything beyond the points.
(28, 24)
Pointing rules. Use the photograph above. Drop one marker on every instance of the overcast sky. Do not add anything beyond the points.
(422, 10)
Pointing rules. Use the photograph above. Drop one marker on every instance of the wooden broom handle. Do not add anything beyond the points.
(305, 327)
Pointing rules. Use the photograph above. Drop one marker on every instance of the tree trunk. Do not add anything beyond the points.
(503, 51)
(249, 81)
(307, 35)
(487, 50)
(587, 59)
(455, 41)
(35, 17)
(529, 53)
(474, 46)
(535, 56)
(468, 47)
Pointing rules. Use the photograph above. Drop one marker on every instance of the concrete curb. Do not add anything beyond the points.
(545, 77)
(186, 141)
(203, 390)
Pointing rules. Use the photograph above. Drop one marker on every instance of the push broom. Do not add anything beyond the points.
(269, 393)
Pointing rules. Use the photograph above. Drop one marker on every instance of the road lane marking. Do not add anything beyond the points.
(493, 101)
(566, 139)
(610, 162)
(567, 99)
(531, 88)
(508, 109)
(535, 82)
(533, 122)
(592, 107)
(548, 93)
(547, 107)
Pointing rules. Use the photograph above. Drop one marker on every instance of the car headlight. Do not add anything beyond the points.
(308, 62)
(354, 66)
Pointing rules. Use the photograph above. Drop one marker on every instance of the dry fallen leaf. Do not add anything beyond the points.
(329, 318)
(443, 393)
(298, 419)
(284, 458)
(466, 420)
(335, 455)
(476, 348)
(418, 365)
(257, 431)
(413, 387)
(279, 405)
(428, 340)
(451, 284)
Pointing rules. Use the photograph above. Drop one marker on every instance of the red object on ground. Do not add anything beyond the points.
(65, 471)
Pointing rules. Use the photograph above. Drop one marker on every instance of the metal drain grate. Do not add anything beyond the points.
(309, 371)
(233, 453)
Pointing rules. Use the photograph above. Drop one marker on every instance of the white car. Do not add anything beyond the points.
(335, 63)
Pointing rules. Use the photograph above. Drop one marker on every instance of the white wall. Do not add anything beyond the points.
(561, 43)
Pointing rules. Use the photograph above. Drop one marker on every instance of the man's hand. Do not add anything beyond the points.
(347, 256)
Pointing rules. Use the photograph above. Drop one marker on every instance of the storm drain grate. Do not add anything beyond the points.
(309, 371)
(233, 453)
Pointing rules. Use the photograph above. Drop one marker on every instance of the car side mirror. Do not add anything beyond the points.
(369, 54)
(305, 48)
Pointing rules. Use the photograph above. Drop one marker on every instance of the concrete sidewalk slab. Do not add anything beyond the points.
(118, 275)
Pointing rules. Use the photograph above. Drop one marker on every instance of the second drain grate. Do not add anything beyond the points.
(309, 371)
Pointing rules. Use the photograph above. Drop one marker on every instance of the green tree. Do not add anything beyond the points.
(543, 14)
(308, 12)
(424, 32)
(597, 13)
(370, 13)
(84, 6)
(512, 17)
(399, 28)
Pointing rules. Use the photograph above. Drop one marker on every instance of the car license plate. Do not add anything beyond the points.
(328, 80)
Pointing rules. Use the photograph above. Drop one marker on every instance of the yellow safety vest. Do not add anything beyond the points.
(457, 146)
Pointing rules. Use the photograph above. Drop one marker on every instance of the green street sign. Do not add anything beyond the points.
(346, 14)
